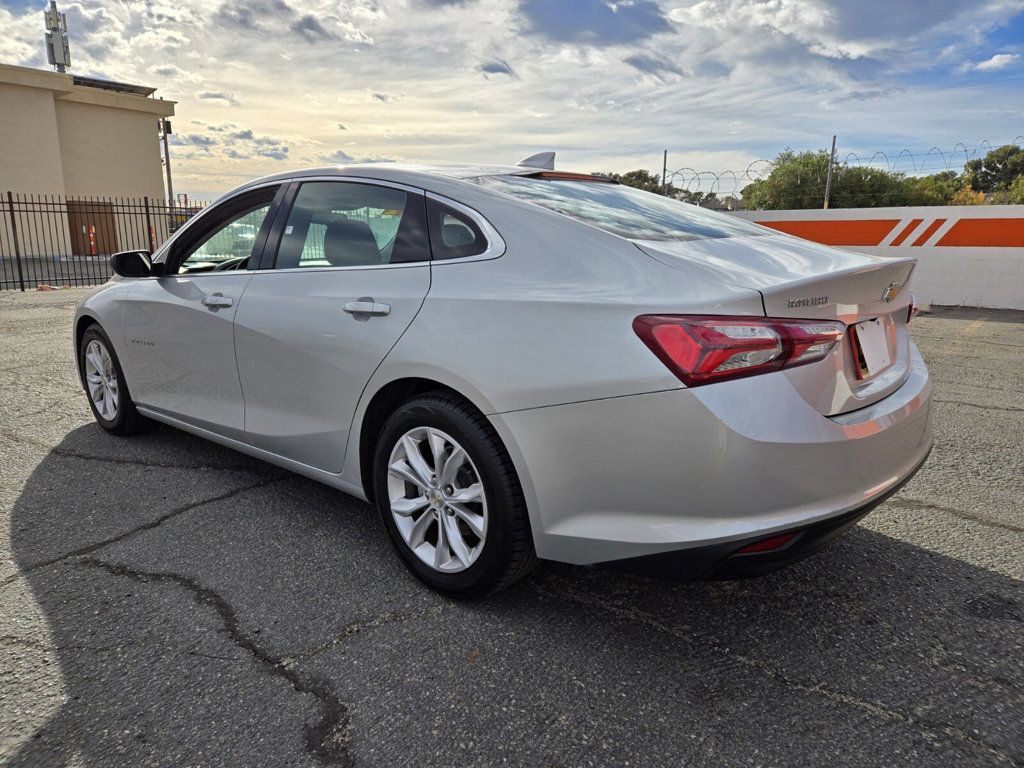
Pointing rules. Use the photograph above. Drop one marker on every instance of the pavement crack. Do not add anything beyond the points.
(147, 526)
(876, 709)
(329, 738)
(914, 504)
(361, 626)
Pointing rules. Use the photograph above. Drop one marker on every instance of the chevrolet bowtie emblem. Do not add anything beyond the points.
(890, 293)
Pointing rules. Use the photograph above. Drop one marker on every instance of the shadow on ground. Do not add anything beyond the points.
(205, 608)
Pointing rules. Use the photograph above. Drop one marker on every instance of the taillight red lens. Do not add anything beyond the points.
(701, 349)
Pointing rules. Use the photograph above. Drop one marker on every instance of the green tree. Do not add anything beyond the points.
(797, 180)
(997, 170)
(937, 189)
(641, 179)
(864, 187)
(1015, 194)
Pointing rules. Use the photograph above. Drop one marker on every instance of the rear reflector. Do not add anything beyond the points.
(913, 309)
(766, 545)
(701, 349)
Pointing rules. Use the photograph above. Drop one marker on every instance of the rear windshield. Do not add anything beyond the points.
(624, 210)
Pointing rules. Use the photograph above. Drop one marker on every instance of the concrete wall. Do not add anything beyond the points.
(970, 255)
(29, 143)
(109, 151)
(57, 137)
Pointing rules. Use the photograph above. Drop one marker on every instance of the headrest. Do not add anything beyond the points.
(457, 234)
(350, 243)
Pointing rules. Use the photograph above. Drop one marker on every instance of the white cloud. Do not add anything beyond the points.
(716, 81)
(999, 61)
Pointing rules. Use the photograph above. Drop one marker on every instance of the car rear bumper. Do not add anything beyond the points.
(728, 561)
(708, 469)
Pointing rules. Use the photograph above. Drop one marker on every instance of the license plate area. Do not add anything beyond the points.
(870, 348)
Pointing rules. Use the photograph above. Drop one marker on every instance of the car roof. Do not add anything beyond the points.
(413, 174)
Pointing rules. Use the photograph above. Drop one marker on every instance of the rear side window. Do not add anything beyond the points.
(624, 210)
(348, 224)
(453, 235)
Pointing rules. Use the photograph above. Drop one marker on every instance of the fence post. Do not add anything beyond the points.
(14, 234)
(149, 225)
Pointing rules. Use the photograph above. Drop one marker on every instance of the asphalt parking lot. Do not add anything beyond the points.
(164, 601)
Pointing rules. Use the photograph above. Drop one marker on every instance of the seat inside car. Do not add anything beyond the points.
(349, 243)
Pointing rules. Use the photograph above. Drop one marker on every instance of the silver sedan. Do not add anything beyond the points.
(515, 363)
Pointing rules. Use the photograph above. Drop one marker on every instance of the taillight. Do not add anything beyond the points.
(701, 349)
(913, 309)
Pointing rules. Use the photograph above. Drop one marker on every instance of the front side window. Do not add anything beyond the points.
(225, 237)
(624, 210)
(346, 224)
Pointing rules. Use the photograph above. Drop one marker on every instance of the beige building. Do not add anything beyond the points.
(76, 136)
(77, 141)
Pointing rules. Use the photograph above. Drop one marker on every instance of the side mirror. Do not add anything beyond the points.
(132, 264)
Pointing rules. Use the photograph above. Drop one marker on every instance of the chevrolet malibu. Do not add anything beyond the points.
(516, 363)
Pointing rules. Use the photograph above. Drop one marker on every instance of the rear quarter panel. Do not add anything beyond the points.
(550, 321)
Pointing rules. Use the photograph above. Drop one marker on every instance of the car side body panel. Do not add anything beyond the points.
(181, 351)
(303, 361)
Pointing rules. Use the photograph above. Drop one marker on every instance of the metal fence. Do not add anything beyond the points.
(58, 240)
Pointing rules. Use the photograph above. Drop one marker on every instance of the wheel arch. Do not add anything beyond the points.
(82, 323)
(381, 405)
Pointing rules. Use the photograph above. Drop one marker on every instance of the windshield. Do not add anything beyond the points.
(624, 210)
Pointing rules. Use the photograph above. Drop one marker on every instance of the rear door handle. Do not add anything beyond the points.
(367, 307)
(217, 301)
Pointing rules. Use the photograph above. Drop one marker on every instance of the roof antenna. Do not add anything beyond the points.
(543, 160)
(58, 52)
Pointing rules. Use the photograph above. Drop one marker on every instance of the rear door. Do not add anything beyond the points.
(347, 268)
(179, 328)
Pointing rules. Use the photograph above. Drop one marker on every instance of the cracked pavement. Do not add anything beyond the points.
(165, 601)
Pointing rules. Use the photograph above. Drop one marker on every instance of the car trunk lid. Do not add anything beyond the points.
(800, 279)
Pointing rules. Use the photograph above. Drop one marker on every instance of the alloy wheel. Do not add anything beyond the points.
(437, 499)
(101, 379)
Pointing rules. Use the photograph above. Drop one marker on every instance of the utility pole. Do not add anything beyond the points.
(165, 128)
(828, 178)
(664, 173)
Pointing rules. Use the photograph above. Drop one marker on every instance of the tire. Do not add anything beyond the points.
(123, 419)
(505, 553)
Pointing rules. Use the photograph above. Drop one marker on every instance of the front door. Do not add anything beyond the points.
(351, 272)
(179, 327)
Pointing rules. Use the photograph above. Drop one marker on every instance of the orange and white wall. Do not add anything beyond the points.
(970, 255)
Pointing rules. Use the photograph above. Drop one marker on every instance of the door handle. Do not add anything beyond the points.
(367, 307)
(217, 301)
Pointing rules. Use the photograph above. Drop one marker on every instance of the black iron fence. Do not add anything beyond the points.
(59, 240)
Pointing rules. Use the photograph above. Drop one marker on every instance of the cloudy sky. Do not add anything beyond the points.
(262, 85)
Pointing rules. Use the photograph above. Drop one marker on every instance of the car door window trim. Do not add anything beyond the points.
(272, 249)
(163, 252)
(495, 243)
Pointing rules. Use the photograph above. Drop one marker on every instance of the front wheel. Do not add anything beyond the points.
(450, 498)
(105, 385)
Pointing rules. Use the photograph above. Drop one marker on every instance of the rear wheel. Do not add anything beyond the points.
(105, 385)
(450, 498)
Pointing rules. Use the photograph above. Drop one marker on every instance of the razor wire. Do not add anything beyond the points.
(729, 183)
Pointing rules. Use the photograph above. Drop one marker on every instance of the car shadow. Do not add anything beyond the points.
(205, 608)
